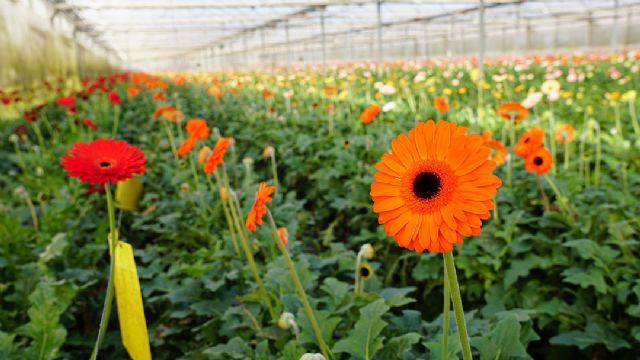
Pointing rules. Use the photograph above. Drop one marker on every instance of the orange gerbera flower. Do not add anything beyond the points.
(198, 128)
(284, 235)
(187, 146)
(434, 187)
(441, 104)
(330, 91)
(133, 91)
(564, 134)
(214, 90)
(159, 96)
(179, 80)
(259, 208)
(529, 142)
(217, 155)
(369, 114)
(539, 161)
(266, 94)
(512, 111)
(498, 150)
(203, 154)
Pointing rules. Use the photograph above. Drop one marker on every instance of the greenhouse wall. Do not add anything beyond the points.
(39, 44)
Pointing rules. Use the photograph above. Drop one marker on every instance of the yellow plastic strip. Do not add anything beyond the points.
(128, 194)
(133, 325)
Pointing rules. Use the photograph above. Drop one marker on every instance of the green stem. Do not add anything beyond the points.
(303, 295)
(445, 316)
(274, 169)
(566, 154)
(244, 242)
(106, 310)
(457, 305)
(634, 117)
(116, 118)
(167, 129)
(562, 201)
(356, 284)
(196, 179)
(227, 216)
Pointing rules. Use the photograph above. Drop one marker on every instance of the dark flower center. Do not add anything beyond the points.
(364, 271)
(526, 140)
(538, 160)
(427, 185)
(105, 164)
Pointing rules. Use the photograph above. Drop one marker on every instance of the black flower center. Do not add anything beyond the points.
(364, 272)
(538, 160)
(427, 185)
(104, 164)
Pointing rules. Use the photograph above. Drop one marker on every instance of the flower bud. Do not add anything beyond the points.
(268, 151)
(367, 251)
(312, 356)
(285, 320)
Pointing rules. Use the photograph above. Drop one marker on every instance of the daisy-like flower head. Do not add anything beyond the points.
(539, 161)
(90, 124)
(217, 155)
(564, 134)
(369, 114)
(512, 111)
(66, 101)
(103, 160)
(114, 98)
(434, 187)
(133, 91)
(197, 128)
(187, 146)
(530, 141)
(259, 208)
(441, 104)
(498, 150)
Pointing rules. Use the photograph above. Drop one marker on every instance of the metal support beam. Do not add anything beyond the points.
(481, 34)
(323, 39)
(379, 47)
(615, 41)
(288, 41)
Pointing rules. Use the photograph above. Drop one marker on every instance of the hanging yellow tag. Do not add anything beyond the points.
(133, 325)
(128, 194)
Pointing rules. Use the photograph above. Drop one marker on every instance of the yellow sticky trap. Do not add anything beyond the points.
(128, 194)
(133, 325)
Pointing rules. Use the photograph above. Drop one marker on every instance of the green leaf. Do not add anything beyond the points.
(236, 348)
(503, 342)
(592, 334)
(363, 341)
(6, 345)
(585, 278)
(521, 268)
(326, 322)
(395, 297)
(55, 248)
(397, 347)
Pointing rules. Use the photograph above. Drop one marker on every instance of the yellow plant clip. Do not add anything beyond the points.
(128, 194)
(133, 325)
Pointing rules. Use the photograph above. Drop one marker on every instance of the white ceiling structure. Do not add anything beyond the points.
(219, 33)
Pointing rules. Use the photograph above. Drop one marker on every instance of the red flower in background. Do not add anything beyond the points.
(90, 124)
(103, 160)
(6, 101)
(66, 101)
(114, 98)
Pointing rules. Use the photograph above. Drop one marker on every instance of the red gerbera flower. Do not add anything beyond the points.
(90, 124)
(66, 101)
(104, 160)
(114, 98)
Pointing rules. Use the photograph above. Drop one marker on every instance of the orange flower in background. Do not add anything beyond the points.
(434, 187)
(369, 114)
(179, 80)
(198, 128)
(169, 113)
(330, 91)
(512, 111)
(565, 133)
(266, 94)
(539, 161)
(158, 96)
(214, 90)
(187, 146)
(259, 208)
(498, 150)
(217, 155)
(441, 104)
(133, 91)
(202, 155)
(284, 235)
(529, 142)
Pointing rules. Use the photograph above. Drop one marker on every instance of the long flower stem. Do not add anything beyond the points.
(244, 242)
(227, 216)
(634, 117)
(106, 310)
(167, 129)
(274, 169)
(445, 317)
(457, 305)
(116, 117)
(356, 284)
(303, 295)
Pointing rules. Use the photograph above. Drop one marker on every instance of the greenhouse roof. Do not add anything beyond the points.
(143, 32)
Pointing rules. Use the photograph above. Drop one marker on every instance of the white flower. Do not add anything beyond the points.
(288, 94)
(388, 106)
(420, 77)
(311, 356)
(387, 90)
(532, 99)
